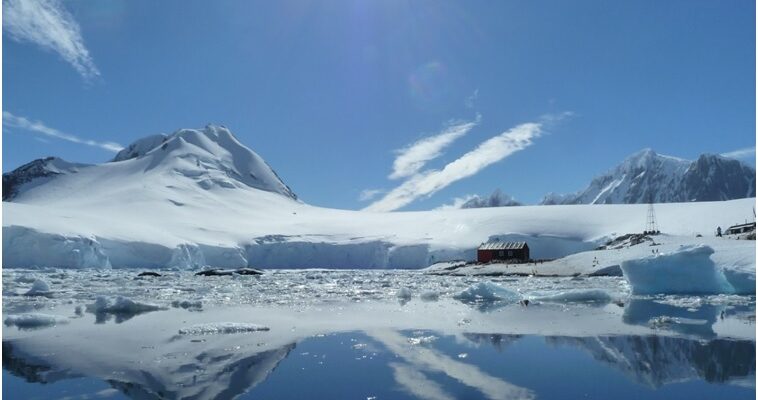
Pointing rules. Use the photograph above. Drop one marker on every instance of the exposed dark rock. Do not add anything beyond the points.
(229, 272)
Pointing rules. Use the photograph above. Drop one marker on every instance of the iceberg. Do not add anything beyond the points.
(487, 292)
(687, 270)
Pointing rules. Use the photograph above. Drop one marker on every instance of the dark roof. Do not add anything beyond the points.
(503, 246)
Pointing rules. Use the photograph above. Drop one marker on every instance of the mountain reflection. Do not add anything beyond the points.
(214, 374)
(653, 360)
(229, 367)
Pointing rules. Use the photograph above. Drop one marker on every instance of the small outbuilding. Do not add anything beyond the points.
(741, 228)
(503, 251)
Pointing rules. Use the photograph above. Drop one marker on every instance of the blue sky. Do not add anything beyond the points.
(328, 92)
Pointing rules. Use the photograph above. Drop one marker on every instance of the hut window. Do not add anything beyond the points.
(510, 253)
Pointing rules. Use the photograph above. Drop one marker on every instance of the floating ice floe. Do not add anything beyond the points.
(120, 305)
(187, 304)
(487, 291)
(34, 320)
(404, 293)
(688, 270)
(39, 288)
(222, 328)
(575, 296)
(430, 295)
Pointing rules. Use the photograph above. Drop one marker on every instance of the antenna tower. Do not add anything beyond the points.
(651, 227)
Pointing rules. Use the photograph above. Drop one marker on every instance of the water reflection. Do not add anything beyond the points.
(212, 373)
(689, 321)
(658, 360)
(226, 368)
(420, 359)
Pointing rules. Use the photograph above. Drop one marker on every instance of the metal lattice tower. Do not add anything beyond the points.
(651, 227)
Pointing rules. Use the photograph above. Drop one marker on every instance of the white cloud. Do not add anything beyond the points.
(48, 24)
(417, 384)
(429, 359)
(741, 154)
(12, 121)
(369, 194)
(488, 152)
(457, 202)
(412, 158)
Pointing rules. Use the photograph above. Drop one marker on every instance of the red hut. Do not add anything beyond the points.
(503, 251)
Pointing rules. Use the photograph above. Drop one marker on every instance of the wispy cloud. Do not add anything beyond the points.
(369, 194)
(741, 154)
(48, 24)
(470, 101)
(13, 121)
(487, 153)
(413, 157)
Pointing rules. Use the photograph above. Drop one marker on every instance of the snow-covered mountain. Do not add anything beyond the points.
(199, 197)
(209, 158)
(496, 199)
(647, 176)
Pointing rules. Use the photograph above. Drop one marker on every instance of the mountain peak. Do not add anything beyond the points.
(644, 153)
(197, 137)
(647, 158)
(647, 175)
(214, 157)
(211, 158)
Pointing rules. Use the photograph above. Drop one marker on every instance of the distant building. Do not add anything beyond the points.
(502, 251)
(741, 228)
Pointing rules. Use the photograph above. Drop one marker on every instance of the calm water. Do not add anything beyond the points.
(398, 365)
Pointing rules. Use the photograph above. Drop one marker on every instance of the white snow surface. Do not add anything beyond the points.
(262, 229)
(200, 198)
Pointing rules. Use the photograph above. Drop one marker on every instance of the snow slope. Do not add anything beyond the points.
(201, 198)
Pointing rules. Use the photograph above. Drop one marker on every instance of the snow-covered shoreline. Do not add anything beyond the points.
(275, 232)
